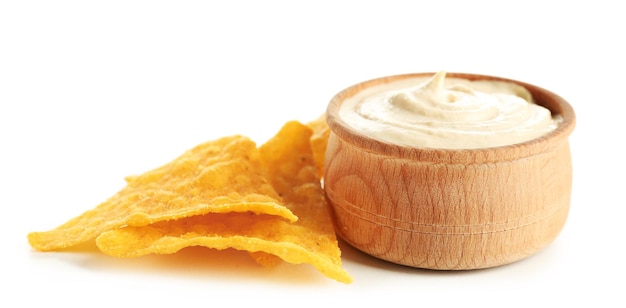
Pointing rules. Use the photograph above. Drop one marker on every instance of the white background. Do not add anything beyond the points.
(91, 92)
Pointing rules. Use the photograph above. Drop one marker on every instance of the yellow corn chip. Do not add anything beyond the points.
(319, 141)
(225, 175)
(292, 173)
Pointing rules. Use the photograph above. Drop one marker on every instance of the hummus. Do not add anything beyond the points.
(447, 113)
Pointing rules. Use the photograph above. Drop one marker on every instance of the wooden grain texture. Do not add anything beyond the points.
(449, 209)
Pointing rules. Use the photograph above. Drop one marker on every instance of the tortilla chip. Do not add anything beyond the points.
(319, 141)
(225, 175)
(293, 174)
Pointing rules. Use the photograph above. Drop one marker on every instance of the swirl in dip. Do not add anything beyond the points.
(448, 113)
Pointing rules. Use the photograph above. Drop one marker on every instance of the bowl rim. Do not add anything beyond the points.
(555, 103)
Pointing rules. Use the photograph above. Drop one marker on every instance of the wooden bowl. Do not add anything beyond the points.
(449, 209)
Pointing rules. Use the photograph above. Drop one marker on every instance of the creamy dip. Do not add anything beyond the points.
(447, 113)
